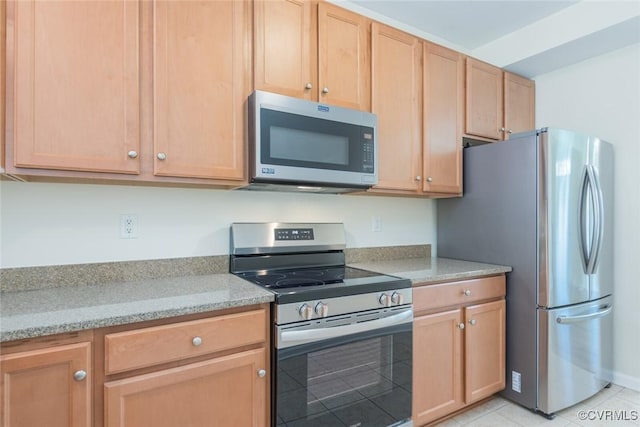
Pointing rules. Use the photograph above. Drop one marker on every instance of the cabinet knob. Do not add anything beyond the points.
(79, 375)
(133, 154)
(418, 178)
(325, 90)
(262, 373)
(467, 292)
(460, 325)
(161, 156)
(308, 86)
(196, 341)
(509, 131)
(429, 179)
(501, 129)
(472, 322)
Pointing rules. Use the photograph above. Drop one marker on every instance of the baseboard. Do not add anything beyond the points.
(626, 381)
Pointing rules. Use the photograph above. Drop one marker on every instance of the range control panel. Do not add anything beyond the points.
(293, 233)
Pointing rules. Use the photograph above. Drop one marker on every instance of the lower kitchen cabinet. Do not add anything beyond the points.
(223, 391)
(48, 386)
(207, 371)
(484, 344)
(437, 365)
(459, 345)
(201, 370)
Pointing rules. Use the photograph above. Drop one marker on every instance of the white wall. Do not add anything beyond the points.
(50, 224)
(601, 97)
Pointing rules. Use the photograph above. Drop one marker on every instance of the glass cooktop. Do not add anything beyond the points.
(322, 282)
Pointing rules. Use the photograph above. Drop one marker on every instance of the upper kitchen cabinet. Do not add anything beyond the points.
(397, 100)
(137, 91)
(312, 51)
(484, 100)
(285, 51)
(498, 103)
(417, 93)
(73, 98)
(443, 114)
(519, 104)
(201, 81)
(344, 63)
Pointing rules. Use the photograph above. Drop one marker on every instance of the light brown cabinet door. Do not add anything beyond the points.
(485, 350)
(443, 112)
(75, 92)
(437, 365)
(285, 50)
(200, 86)
(484, 112)
(38, 388)
(344, 65)
(226, 391)
(396, 97)
(519, 104)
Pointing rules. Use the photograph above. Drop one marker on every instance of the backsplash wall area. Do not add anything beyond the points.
(56, 224)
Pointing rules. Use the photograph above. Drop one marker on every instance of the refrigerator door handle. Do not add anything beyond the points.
(598, 203)
(582, 222)
(564, 320)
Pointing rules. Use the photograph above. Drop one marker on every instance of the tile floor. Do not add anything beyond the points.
(600, 411)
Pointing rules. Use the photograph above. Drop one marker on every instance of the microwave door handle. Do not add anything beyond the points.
(290, 338)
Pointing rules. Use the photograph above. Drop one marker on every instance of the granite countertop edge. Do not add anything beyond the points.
(434, 270)
(73, 309)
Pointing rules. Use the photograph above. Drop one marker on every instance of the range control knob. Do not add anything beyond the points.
(385, 300)
(306, 311)
(322, 309)
(397, 298)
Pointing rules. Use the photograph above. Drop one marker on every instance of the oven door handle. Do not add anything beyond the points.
(290, 338)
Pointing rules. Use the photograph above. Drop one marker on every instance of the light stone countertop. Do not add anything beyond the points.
(433, 270)
(35, 313)
(53, 310)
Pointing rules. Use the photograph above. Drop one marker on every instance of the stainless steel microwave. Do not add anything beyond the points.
(296, 144)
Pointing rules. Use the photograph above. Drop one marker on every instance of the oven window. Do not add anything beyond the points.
(361, 383)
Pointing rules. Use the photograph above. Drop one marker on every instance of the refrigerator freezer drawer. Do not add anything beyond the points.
(575, 353)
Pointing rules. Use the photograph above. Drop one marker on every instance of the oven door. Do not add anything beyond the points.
(349, 371)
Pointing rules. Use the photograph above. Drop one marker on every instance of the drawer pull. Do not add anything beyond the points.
(467, 292)
(262, 373)
(80, 375)
(196, 341)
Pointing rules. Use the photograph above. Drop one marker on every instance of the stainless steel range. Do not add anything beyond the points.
(342, 336)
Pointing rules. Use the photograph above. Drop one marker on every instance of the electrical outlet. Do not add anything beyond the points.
(376, 224)
(128, 226)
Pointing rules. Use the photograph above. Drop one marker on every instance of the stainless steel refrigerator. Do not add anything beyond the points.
(542, 203)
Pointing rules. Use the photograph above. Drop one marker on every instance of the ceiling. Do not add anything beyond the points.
(523, 36)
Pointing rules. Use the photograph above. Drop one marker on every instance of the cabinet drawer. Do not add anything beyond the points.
(458, 293)
(160, 344)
